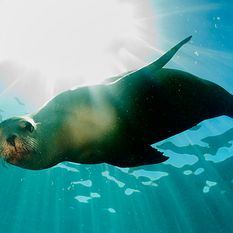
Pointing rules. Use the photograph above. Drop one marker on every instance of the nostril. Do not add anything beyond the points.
(11, 139)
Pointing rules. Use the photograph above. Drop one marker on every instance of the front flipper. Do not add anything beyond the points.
(139, 157)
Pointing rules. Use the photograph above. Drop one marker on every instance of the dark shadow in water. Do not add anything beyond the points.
(18, 101)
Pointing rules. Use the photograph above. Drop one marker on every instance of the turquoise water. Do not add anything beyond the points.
(191, 192)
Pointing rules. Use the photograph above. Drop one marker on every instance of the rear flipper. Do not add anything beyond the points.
(162, 61)
(145, 156)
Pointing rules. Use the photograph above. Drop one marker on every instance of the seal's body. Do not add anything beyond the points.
(114, 123)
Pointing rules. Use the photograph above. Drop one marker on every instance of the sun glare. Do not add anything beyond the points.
(75, 41)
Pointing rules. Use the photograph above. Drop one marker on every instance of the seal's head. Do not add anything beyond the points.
(17, 140)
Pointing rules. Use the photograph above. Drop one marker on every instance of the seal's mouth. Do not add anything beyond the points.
(19, 151)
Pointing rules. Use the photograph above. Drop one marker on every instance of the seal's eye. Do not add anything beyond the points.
(27, 125)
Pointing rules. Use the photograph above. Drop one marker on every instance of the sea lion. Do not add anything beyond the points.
(114, 122)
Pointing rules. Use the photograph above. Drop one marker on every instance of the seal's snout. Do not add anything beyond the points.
(11, 139)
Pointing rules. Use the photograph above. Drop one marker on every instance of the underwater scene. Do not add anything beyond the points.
(49, 46)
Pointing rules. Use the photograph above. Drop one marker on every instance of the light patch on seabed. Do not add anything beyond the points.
(152, 175)
(63, 166)
(82, 199)
(210, 127)
(111, 210)
(95, 195)
(199, 171)
(208, 185)
(109, 177)
(86, 199)
(130, 191)
(86, 183)
(187, 172)
(206, 189)
(149, 183)
(222, 154)
(180, 161)
(124, 170)
(211, 183)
